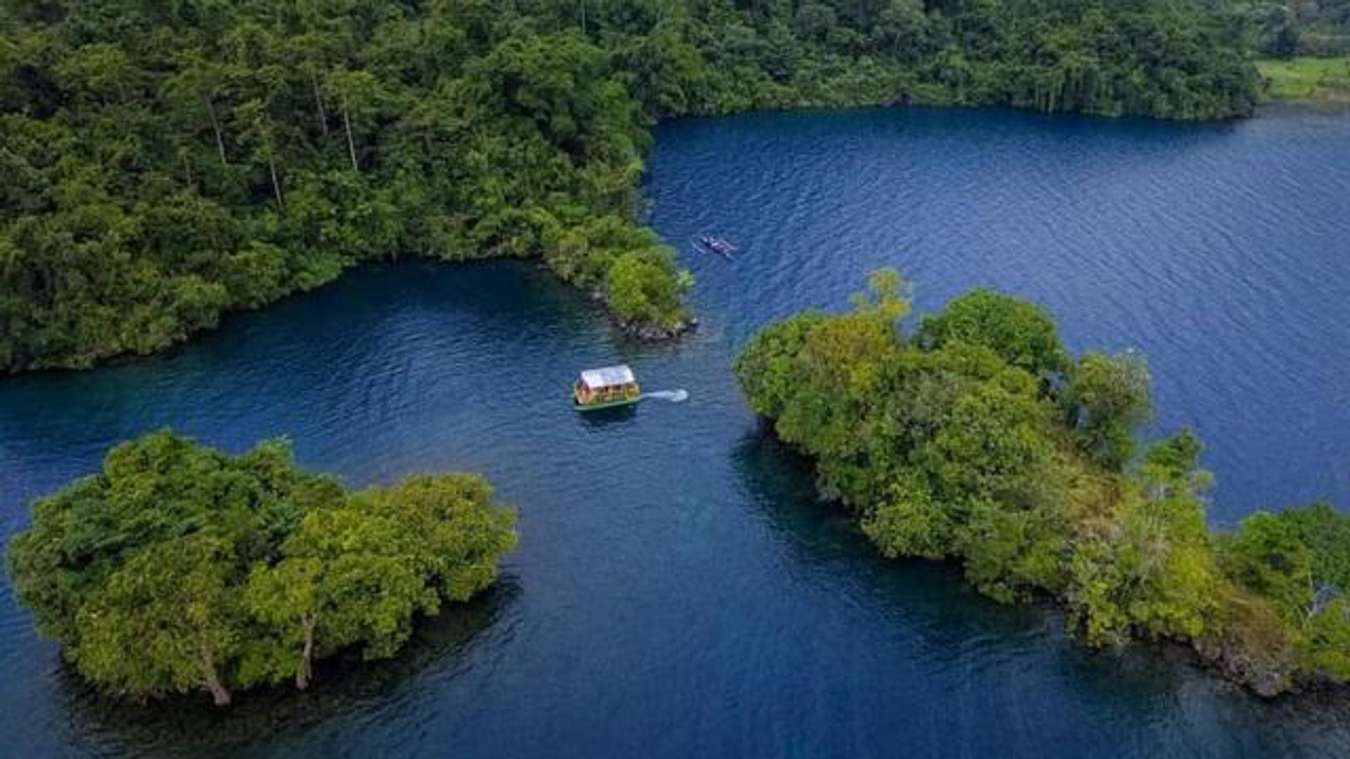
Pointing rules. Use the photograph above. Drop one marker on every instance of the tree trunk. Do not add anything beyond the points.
(347, 123)
(318, 100)
(305, 671)
(219, 695)
(187, 170)
(276, 184)
(210, 680)
(215, 126)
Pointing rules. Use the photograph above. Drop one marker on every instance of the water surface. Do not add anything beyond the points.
(678, 590)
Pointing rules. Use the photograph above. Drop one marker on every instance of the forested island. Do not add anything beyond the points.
(178, 568)
(978, 438)
(167, 163)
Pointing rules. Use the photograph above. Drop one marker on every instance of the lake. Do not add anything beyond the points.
(679, 590)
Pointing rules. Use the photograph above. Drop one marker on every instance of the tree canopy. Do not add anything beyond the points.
(169, 162)
(179, 568)
(1295, 27)
(979, 438)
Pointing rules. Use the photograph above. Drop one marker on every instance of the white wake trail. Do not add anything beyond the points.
(674, 396)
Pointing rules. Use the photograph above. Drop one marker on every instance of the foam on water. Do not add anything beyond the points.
(674, 396)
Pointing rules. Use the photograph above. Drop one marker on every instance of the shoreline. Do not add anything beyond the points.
(658, 334)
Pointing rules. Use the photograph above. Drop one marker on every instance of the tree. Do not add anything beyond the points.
(1020, 332)
(166, 622)
(910, 522)
(887, 295)
(289, 597)
(1300, 558)
(1106, 400)
(640, 289)
(459, 533)
(197, 84)
(902, 27)
(1171, 467)
(354, 91)
(358, 573)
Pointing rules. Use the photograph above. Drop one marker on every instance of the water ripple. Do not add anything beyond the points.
(679, 590)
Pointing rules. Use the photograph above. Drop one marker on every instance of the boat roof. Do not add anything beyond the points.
(608, 376)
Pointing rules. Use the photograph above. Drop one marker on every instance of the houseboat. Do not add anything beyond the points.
(608, 387)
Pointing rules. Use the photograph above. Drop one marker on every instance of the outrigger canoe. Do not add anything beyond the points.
(717, 245)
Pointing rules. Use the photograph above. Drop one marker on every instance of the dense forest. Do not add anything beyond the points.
(979, 438)
(1297, 27)
(180, 569)
(167, 162)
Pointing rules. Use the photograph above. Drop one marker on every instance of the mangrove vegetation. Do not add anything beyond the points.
(178, 568)
(977, 437)
(168, 162)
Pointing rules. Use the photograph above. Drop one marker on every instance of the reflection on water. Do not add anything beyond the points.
(599, 419)
(961, 631)
(344, 686)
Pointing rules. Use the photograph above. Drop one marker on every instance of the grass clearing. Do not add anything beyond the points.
(1304, 78)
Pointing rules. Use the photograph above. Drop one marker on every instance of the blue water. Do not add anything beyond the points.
(678, 590)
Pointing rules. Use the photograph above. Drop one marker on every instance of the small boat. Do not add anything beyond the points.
(717, 245)
(607, 387)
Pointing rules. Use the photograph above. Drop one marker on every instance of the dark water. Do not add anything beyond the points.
(678, 591)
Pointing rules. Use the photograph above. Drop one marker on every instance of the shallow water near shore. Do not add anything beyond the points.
(679, 590)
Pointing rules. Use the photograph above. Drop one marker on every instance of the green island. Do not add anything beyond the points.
(978, 438)
(169, 162)
(178, 568)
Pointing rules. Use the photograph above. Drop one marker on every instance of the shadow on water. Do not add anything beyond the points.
(600, 419)
(506, 300)
(930, 604)
(930, 597)
(345, 687)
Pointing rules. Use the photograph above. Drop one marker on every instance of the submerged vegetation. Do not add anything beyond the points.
(178, 568)
(168, 162)
(979, 438)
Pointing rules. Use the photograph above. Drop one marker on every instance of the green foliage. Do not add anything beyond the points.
(1106, 401)
(180, 568)
(1300, 560)
(643, 287)
(968, 442)
(186, 161)
(909, 521)
(1326, 641)
(766, 364)
(164, 622)
(1293, 27)
(169, 162)
(1268, 556)
(1021, 333)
